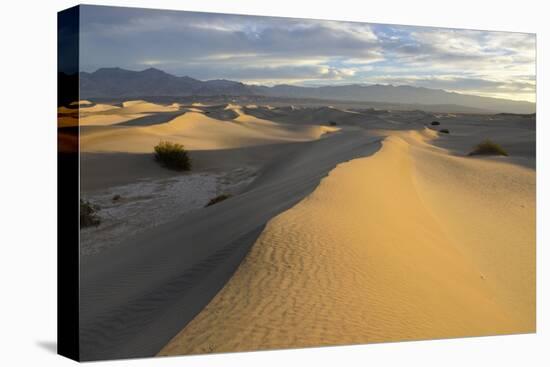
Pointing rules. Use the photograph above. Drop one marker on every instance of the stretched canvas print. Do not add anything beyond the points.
(233, 183)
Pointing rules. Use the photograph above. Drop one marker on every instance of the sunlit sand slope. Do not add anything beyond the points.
(196, 131)
(140, 293)
(89, 114)
(410, 243)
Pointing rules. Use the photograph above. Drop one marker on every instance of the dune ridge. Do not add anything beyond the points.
(409, 243)
(416, 241)
(197, 131)
(137, 295)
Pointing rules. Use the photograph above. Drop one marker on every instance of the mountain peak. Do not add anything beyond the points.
(121, 83)
(108, 69)
(152, 70)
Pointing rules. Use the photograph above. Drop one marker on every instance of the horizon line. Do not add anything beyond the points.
(303, 86)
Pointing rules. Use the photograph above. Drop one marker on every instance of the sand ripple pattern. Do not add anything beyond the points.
(374, 254)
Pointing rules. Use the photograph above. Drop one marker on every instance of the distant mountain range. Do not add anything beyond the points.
(121, 83)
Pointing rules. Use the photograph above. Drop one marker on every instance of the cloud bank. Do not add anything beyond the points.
(271, 51)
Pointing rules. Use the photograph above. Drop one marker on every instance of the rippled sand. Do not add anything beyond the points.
(409, 243)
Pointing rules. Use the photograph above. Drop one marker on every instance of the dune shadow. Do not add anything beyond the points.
(190, 258)
(154, 119)
(103, 170)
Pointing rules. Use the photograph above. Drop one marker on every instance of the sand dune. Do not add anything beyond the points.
(100, 107)
(106, 115)
(515, 135)
(82, 102)
(488, 207)
(107, 119)
(96, 115)
(414, 240)
(136, 296)
(196, 131)
(87, 107)
(193, 109)
(410, 243)
(140, 106)
(330, 115)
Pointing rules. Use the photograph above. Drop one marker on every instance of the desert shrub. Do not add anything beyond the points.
(218, 199)
(173, 156)
(435, 123)
(117, 197)
(332, 123)
(444, 131)
(487, 147)
(88, 214)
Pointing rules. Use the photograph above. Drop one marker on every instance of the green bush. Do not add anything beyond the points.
(172, 156)
(487, 147)
(88, 214)
(218, 199)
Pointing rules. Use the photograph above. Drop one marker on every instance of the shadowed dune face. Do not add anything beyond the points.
(409, 243)
(197, 131)
(85, 113)
(160, 279)
(516, 134)
(414, 241)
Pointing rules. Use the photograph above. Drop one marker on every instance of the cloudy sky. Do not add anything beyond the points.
(267, 50)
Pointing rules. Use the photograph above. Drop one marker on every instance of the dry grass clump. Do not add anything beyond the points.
(88, 214)
(488, 147)
(172, 156)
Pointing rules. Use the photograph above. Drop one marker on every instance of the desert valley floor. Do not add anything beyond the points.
(343, 225)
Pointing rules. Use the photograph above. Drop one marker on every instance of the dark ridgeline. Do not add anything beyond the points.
(120, 83)
(117, 82)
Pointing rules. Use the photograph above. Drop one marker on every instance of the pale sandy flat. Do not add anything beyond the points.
(409, 243)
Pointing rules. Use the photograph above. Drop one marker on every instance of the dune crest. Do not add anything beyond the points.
(82, 102)
(144, 106)
(98, 108)
(195, 130)
(410, 243)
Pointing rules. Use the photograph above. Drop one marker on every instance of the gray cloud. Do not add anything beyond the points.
(271, 50)
(188, 37)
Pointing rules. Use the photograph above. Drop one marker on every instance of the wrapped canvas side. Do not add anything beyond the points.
(68, 184)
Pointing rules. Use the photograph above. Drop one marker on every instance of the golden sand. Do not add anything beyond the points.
(195, 131)
(107, 119)
(139, 106)
(410, 243)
